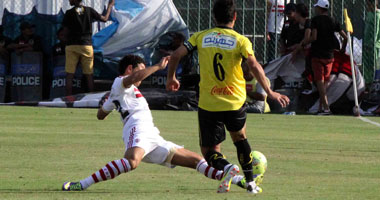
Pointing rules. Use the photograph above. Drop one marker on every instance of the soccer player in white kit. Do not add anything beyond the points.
(141, 138)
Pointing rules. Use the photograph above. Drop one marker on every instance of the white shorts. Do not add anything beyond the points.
(148, 138)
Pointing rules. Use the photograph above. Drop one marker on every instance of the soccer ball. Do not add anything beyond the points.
(259, 162)
(259, 166)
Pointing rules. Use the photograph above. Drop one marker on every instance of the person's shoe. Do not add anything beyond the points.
(253, 188)
(226, 180)
(72, 186)
(242, 182)
(258, 178)
(324, 112)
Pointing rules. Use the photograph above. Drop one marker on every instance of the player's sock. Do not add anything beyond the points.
(245, 158)
(209, 171)
(110, 171)
(216, 160)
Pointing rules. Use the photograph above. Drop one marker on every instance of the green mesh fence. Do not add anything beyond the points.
(252, 22)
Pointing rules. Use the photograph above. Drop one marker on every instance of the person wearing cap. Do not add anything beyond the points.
(290, 31)
(78, 24)
(323, 42)
(4, 42)
(27, 41)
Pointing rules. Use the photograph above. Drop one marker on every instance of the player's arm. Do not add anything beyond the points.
(102, 114)
(105, 109)
(172, 84)
(105, 17)
(143, 74)
(259, 73)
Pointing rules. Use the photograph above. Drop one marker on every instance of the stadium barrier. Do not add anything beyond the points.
(58, 84)
(26, 72)
(3, 72)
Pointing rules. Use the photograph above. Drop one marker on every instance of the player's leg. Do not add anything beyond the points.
(72, 59)
(87, 62)
(131, 160)
(185, 158)
(211, 135)
(236, 124)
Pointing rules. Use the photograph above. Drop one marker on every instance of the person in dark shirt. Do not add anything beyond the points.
(301, 16)
(4, 43)
(289, 34)
(323, 43)
(27, 41)
(59, 48)
(78, 24)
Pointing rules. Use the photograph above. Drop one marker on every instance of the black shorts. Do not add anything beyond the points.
(211, 125)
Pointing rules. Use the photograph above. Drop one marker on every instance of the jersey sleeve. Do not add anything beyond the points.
(191, 44)
(108, 106)
(95, 16)
(246, 48)
(307, 24)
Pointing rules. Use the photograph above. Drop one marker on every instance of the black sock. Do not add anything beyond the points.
(245, 158)
(216, 160)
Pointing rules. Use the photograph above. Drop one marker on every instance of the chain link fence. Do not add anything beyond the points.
(252, 22)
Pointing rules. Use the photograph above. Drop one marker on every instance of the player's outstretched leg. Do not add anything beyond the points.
(131, 160)
(186, 158)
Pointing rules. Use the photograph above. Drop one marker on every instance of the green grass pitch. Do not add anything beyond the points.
(309, 157)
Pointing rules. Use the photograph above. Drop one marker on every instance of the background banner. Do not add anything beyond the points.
(26, 71)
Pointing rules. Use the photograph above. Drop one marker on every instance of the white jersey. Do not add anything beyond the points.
(276, 21)
(130, 103)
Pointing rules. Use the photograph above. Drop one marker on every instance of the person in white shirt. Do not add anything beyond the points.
(275, 21)
(141, 138)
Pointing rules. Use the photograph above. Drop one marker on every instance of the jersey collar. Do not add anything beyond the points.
(223, 27)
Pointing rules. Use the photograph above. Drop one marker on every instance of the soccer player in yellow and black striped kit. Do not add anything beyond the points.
(222, 90)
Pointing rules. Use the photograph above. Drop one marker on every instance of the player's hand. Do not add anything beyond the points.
(111, 2)
(281, 99)
(172, 85)
(163, 62)
(268, 37)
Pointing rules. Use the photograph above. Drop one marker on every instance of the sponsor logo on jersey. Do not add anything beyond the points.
(219, 40)
(218, 91)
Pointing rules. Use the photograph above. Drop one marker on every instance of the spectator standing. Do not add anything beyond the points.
(78, 24)
(275, 21)
(322, 39)
(301, 17)
(290, 30)
(27, 41)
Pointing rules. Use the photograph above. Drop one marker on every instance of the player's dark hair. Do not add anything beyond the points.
(302, 9)
(224, 11)
(129, 60)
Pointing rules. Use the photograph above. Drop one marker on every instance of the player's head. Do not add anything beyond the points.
(130, 64)
(322, 6)
(290, 9)
(301, 11)
(224, 11)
